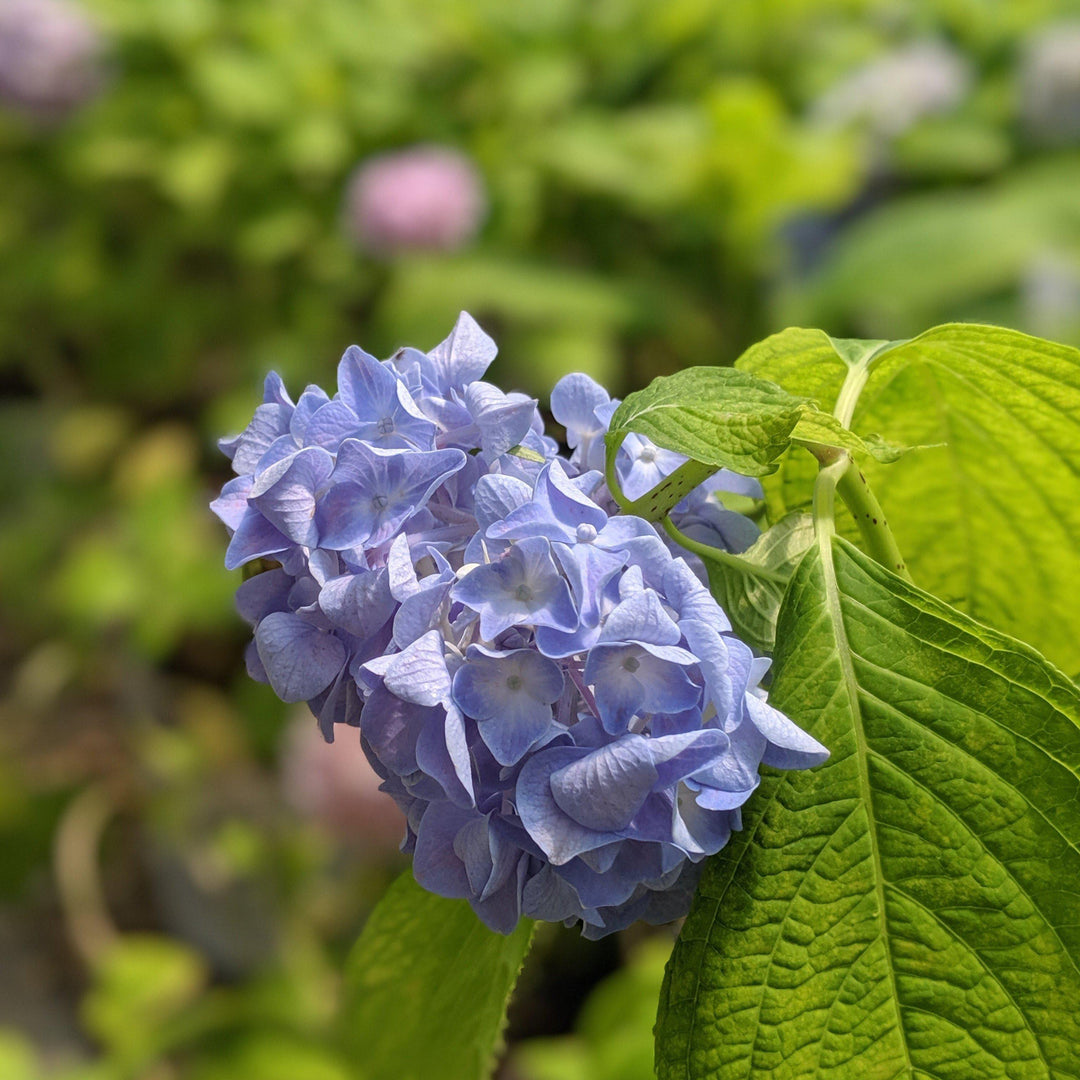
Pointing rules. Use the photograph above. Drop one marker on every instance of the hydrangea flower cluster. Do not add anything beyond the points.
(425, 198)
(50, 56)
(551, 695)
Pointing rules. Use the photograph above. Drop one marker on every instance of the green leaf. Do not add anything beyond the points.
(277, 1055)
(751, 599)
(724, 418)
(718, 416)
(989, 519)
(141, 983)
(17, 1058)
(427, 988)
(821, 429)
(911, 909)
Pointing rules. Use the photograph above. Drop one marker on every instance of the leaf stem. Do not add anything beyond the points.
(611, 478)
(866, 510)
(840, 474)
(719, 555)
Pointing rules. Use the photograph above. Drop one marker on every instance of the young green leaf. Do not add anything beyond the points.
(427, 988)
(723, 418)
(718, 416)
(989, 520)
(912, 908)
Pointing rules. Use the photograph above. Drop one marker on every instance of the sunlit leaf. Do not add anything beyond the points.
(911, 909)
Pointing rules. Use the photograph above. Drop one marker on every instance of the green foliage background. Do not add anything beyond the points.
(163, 247)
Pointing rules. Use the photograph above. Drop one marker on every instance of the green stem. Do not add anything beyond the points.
(655, 503)
(866, 510)
(718, 555)
(611, 478)
(841, 475)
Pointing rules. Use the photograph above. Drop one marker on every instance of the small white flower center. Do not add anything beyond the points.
(378, 502)
(385, 426)
(523, 593)
(586, 533)
(631, 664)
(514, 682)
(648, 454)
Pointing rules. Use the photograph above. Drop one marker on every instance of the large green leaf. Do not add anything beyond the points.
(989, 518)
(427, 988)
(911, 909)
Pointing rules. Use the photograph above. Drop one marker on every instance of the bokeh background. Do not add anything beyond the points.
(195, 191)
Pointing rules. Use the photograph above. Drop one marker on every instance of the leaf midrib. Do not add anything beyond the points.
(847, 667)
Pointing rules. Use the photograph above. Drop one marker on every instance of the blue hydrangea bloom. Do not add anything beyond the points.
(546, 688)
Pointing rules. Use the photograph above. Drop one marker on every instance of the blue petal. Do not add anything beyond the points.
(300, 660)
(604, 790)
(366, 385)
(522, 588)
(442, 752)
(549, 896)
(231, 505)
(714, 658)
(463, 357)
(557, 510)
(421, 612)
(641, 618)
(262, 594)
(399, 565)
(497, 496)
(503, 419)
(558, 835)
(789, 746)
(574, 401)
(418, 673)
(592, 573)
(269, 421)
(285, 493)
(375, 490)
(392, 727)
(360, 604)
(436, 866)
(512, 734)
(311, 400)
(255, 538)
(331, 425)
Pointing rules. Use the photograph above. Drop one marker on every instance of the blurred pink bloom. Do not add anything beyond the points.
(51, 56)
(423, 198)
(333, 784)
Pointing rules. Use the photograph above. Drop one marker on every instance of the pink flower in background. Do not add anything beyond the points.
(423, 198)
(51, 56)
(333, 784)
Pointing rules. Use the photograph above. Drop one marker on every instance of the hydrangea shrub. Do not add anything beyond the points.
(527, 637)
